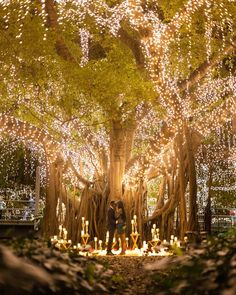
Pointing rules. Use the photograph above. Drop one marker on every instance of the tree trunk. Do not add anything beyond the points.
(192, 220)
(182, 201)
(117, 160)
(207, 213)
(50, 223)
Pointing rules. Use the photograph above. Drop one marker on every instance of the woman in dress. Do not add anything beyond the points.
(121, 225)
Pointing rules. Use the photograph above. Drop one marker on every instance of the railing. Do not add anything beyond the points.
(221, 219)
(19, 212)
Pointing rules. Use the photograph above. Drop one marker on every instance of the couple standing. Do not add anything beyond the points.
(116, 221)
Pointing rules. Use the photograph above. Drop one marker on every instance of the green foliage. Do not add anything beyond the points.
(90, 272)
(205, 270)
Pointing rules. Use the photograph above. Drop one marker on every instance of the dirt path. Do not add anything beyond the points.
(129, 274)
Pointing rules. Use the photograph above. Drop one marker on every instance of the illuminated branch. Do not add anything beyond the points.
(180, 18)
(25, 131)
(216, 117)
(204, 68)
(52, 22)
(134, 45)
(79, 177)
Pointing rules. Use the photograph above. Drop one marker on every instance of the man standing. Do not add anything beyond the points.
(111, 226)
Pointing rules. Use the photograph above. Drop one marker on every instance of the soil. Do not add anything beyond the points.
(130, 276)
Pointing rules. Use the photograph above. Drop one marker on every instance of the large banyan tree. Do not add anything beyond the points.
(128, 91)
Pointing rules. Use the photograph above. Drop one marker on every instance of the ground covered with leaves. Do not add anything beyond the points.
(32, 267)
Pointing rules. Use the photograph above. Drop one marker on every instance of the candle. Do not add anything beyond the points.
(60, 231)
(69, 241)
(144, 245)
(78, 245)
(86, 223)
(175, 239)
(107, 236)
(82, 233)
(83, 223)
(178, 243)
(172, 237)
(65, 235)
(135, 217)
(127, 242)
(100, 245)
(155, 237)
(74, 247)
(154, 226)
(95, 243)
(55, 237)
(153, 233)
(132, 223)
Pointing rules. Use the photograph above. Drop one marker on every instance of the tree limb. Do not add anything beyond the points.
(204, 68)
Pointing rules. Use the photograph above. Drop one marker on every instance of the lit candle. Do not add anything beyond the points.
(82, 233)
(154, 226)
(86, 223)
(65, 234)
(153, 233)
(144, 245)
(60, 231)
(132, 223)
(107, 236)
(78, 245)
(127, 242)
(155, 237)
(83, 223)
(135, 217)
(69, 241)
(95, 243)
(100, 245)
(55, 237)
(172, 237)
(74, 247)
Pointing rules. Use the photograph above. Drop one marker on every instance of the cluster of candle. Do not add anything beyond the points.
(61, 241)
(62, 232)
(155, 233)
(85, 224)
(174, 241)
(96, 243)
(134, 225)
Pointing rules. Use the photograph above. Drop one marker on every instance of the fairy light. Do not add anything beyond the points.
(156, 39)
(84, 40)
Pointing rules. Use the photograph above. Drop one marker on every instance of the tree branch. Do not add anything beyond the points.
(52, 22)
(79, 177)
(204, 68)
(134, 45)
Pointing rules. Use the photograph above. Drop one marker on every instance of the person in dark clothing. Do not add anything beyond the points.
(121, 225)
(111, 226)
